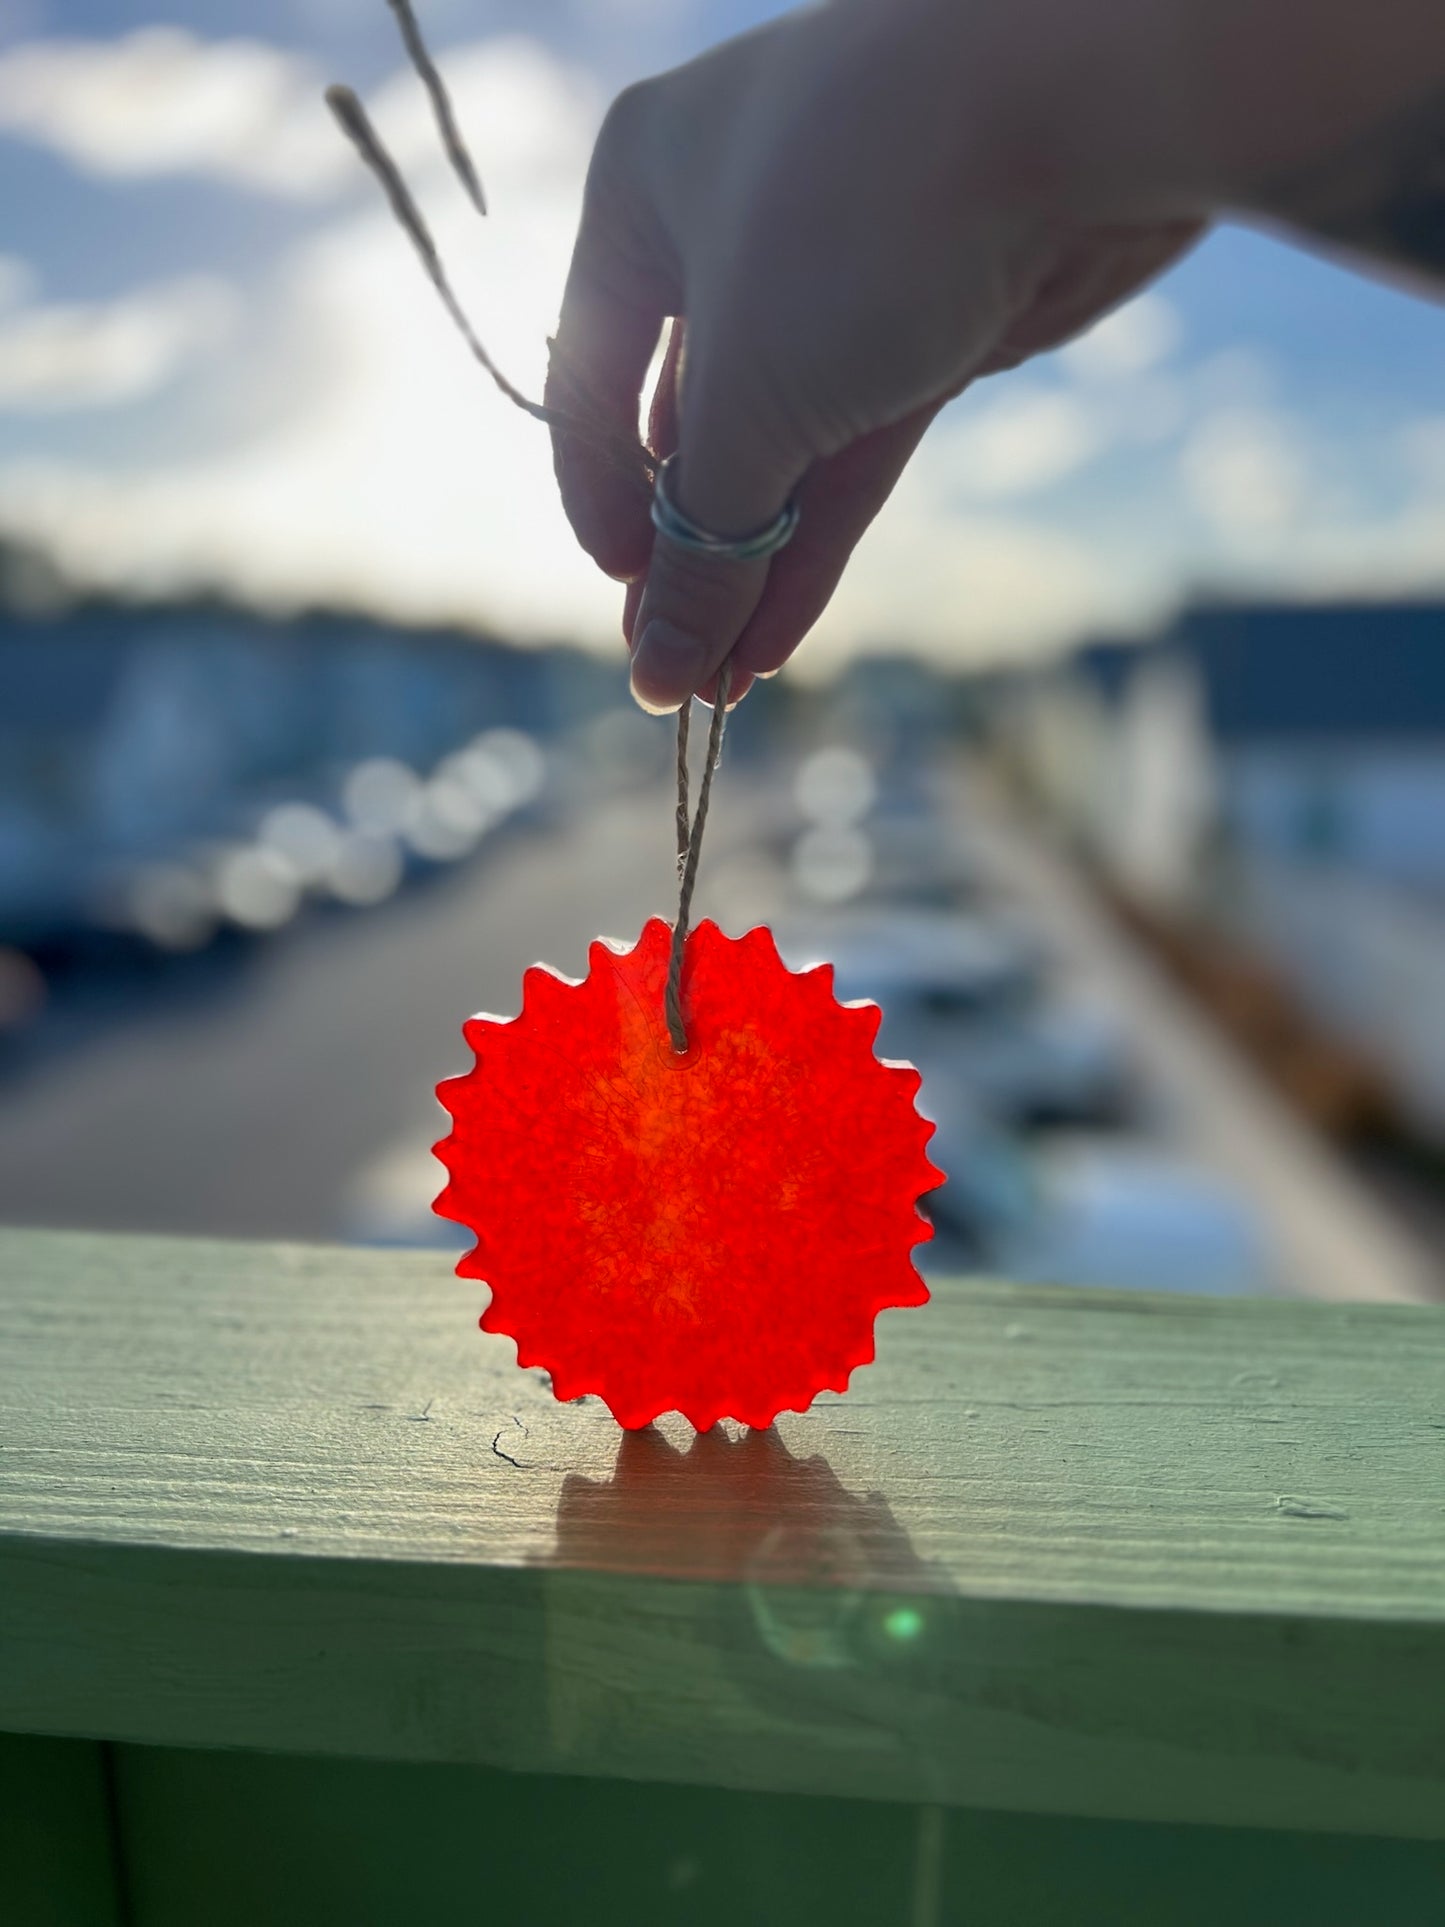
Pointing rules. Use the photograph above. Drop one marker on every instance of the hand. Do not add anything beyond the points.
(836, 206)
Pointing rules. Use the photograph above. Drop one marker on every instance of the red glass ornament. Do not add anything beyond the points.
(712, 1232)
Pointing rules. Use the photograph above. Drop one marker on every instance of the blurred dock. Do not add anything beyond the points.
(1332, 1231)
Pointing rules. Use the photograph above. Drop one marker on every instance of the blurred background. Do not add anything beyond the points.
(1116, 773)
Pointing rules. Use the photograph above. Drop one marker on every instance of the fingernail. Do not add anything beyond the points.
(667, 666)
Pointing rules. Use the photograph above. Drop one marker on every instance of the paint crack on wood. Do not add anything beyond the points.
(497, 1444)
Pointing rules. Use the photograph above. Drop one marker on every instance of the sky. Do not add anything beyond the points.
(220, 365)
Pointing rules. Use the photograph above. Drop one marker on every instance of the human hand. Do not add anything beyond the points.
(836, 205)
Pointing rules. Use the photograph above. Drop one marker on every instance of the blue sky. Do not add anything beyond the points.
(218, 362)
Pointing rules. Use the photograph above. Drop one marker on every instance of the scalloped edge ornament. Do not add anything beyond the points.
(643, 1241)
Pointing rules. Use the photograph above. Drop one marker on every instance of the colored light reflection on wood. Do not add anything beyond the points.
(712, 1233)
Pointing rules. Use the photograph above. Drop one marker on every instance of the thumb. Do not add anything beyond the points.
(692, 612)
(732, 476)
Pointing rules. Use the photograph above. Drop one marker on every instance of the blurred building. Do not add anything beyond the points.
(1275, 772)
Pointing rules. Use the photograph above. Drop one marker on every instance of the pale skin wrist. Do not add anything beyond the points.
(1290, 110)
(1324, 116)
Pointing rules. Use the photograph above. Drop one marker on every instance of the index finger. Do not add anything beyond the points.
(621, 286)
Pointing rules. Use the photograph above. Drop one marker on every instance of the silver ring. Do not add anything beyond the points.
(669, 520)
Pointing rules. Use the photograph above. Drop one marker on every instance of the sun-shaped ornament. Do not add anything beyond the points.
(711, 1231)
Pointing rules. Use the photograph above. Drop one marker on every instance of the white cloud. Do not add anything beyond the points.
(1148, 409)
(61, 356)
(1399, 553)
(1422, 448)
(17, 282)
(1118, 363)
(633, 15)
(1237, 377)
(1246, 471)
(971, 589)
(976, 586)
(1330, 556)
(397, 475)
(1132, 340)
(162, 101)
(1021, 440)
(1287, 513)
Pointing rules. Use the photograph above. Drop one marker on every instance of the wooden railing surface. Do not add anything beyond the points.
(1122, 1558)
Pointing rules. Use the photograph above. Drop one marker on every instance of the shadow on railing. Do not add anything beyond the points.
(799, 1599)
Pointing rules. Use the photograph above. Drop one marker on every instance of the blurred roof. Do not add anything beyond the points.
(1301, 670)
(1109, 663)
(1324, 670)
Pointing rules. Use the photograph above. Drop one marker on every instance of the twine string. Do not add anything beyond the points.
(690, 850)
(631, 460)
(684, 828)
(448, 131)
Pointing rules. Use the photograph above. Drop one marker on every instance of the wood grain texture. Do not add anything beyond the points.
(1122, 1556)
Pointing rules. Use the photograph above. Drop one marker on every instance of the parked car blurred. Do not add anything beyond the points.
(860, 835)
(1088, 1210)
(167, 780)
(969, 1000)
(919, 862)
(981, 961)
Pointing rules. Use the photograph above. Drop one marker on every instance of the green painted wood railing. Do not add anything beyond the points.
(1089, 1591)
